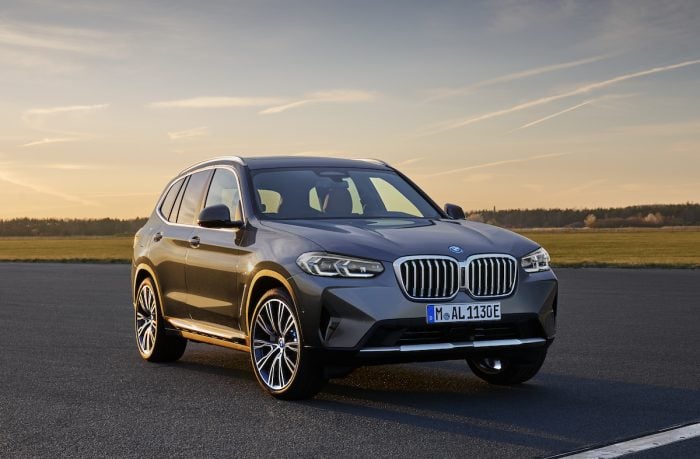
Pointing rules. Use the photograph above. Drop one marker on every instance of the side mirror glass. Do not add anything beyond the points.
(454, 211)
(218, 216)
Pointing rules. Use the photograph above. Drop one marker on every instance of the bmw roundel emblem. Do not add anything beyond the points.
(456, 249)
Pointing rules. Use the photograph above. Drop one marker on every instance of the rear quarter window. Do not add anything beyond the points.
(166, 206)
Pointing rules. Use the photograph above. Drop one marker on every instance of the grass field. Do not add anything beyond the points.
(77, 249)
(676, 247)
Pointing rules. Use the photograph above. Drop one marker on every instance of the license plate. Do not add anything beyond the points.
(443, 313)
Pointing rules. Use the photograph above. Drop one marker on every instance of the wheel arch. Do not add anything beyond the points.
(142, 272)
(264, 280)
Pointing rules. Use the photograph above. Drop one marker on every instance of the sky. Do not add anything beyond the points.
(506, 104)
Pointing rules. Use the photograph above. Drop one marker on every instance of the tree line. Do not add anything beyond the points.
(70, 227)
(612, 217)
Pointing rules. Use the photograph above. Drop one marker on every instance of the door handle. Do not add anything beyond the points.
(158, 236)
(194, 242)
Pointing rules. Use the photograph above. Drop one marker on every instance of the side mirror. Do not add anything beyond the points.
(217, 216)
(454, 211)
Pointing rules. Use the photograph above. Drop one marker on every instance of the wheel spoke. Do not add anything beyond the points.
(280, 370)
(280, 312)
(270, 320)
(262, 361)
(290, 364)
(260, 321)
(141, 328)
(288, 325)
(259, 344)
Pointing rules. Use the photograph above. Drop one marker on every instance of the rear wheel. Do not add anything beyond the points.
(281, 364)
(508, 369)
(151, 341)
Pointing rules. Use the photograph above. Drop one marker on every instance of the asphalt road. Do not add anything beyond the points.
(626, 361)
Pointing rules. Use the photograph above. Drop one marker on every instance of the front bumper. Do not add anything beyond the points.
(372, 319)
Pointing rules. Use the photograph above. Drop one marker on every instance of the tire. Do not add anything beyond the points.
(153, 344)
(282, 366)
(508, 369)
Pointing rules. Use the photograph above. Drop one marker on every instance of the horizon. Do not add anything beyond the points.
(105, 103)
(468, 212)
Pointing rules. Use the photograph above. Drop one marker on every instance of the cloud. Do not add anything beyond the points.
(451, 92)
(333, 96)
(586, 186)
(496, 163)
(50, 140)
(50, 38)
(274, 104)
(5, 177)
(71, 167)
(407, 162)
(64, 109)
(189, 133)
(36, 118)
(585, 89)
(218, 102)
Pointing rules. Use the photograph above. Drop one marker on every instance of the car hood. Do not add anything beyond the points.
(389, 239)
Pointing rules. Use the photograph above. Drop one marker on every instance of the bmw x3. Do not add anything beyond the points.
(315, 266)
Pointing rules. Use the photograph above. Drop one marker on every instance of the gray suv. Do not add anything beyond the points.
(315, 266)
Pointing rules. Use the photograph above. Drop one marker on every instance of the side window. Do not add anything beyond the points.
(192, 197)
(393, 199)
(224, 190)
(167, 206)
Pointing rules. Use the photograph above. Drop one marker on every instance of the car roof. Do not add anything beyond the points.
(267, 162)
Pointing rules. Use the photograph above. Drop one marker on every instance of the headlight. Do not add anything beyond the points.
(324, 264)
(536, 261)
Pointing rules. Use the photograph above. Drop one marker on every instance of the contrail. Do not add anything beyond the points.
(545, 100)
(566, 110)
(554, 115)
(496, 163)
(448, 92)
(40, 189)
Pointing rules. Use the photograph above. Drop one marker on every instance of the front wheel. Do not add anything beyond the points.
(151, 340)
(508, 369)
(281, 364)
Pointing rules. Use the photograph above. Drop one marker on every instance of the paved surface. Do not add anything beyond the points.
(626, 361)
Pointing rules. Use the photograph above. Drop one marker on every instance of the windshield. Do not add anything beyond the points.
(316, 193)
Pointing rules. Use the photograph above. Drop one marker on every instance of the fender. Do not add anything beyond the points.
(149, 269)
(262, 273)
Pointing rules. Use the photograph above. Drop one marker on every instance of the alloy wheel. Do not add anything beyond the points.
(490, 365)
(276, 344)
(146, 319)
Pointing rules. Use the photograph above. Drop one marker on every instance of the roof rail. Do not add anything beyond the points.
(237, 159)
(375, 161)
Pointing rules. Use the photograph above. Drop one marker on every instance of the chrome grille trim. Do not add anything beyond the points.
(428, 277)
(438, 277)
(492, 275)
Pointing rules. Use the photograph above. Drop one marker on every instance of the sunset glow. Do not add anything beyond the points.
(494, 104)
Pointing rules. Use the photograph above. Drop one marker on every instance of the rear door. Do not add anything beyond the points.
(214, 265)
(168, 250)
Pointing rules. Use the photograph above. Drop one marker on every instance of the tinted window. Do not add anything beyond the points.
(337, 193)
(192, 197)
(224, 190)
(167, 206)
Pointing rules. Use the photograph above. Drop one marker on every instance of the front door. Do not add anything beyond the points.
(215, 261)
